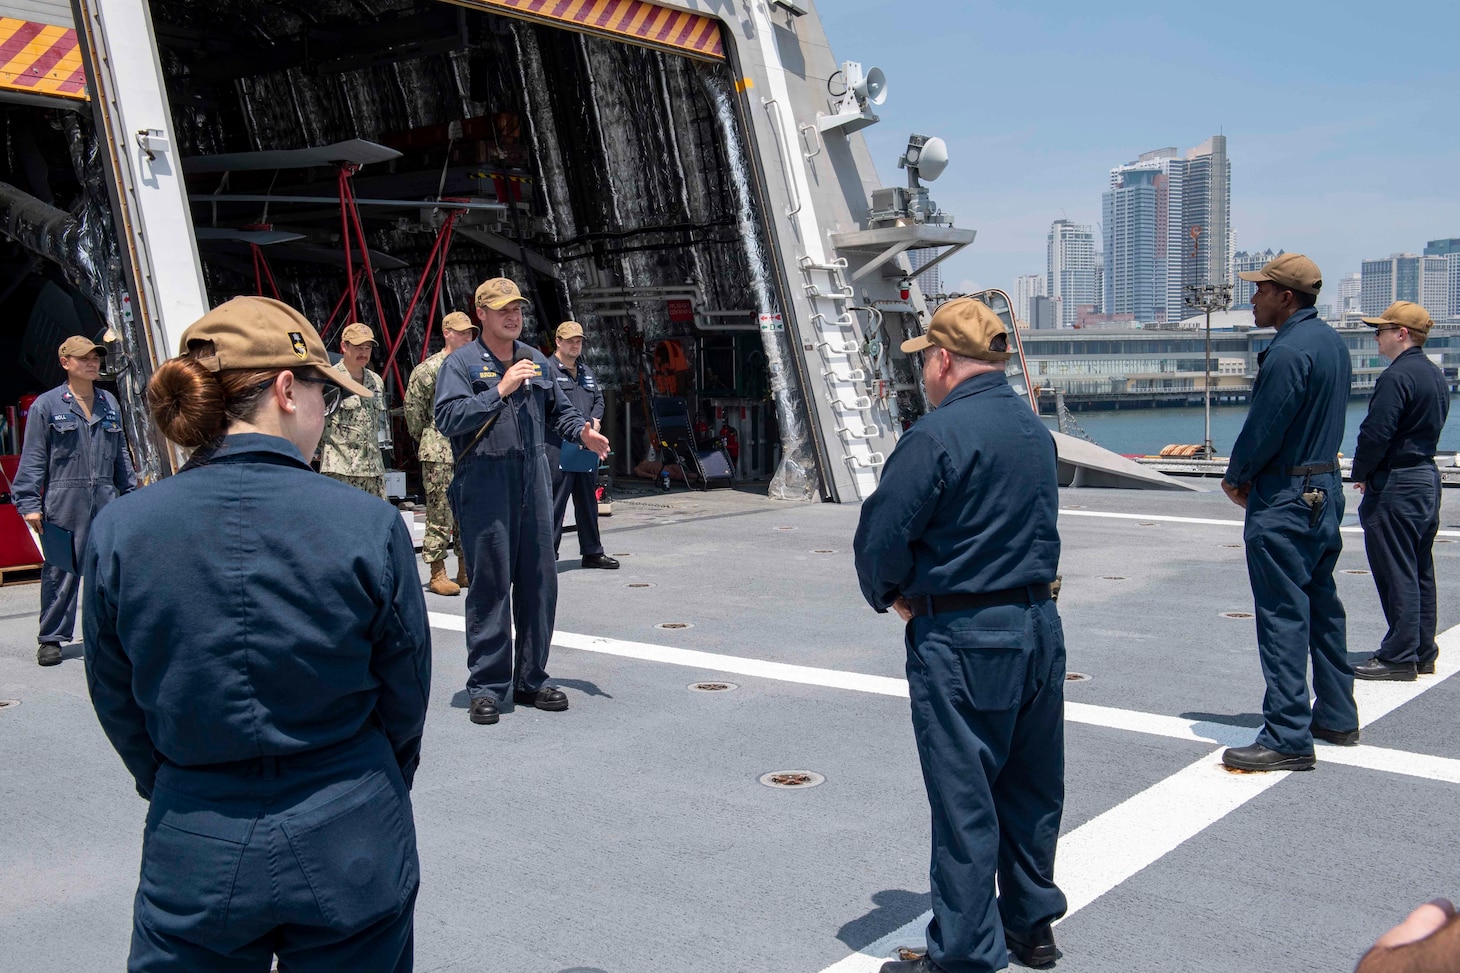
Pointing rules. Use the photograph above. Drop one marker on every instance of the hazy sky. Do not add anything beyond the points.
(1341, 124)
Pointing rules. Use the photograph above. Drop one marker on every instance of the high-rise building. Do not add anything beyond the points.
(1206, 214)
(930, 282)
(1041, 313)
(1070, 269)
(1350, 286)
(1242, 290)
(1393, 278)
(1167, 225)
(1434, 286)
(1449, 251)
(1026, 287)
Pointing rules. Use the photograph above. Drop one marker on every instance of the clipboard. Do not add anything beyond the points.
(573, 458)
(59, 547)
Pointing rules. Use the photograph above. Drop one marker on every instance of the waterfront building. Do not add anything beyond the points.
(1393, 278)
(1434, 286)
(1041, 313)
(1070, 269)
(1167, 225)
(1244, 261)
(1027, 286)
(930, 282)
(1206, 208)
(1124, 368)
(1349, 288)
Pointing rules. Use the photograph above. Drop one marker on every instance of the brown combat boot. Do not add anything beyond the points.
(461, 572)
(440, 584)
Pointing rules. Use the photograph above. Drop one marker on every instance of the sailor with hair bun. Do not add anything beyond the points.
(257, 652)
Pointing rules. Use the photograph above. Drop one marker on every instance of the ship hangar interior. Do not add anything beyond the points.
(611, 180)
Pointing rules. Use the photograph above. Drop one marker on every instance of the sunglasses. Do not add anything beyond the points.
(1382, 330)
(332, 393)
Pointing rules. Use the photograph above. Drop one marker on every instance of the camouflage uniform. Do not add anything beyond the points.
(435, 455)
(349, 451)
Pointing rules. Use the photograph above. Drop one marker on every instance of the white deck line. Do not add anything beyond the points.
(1109, 849)
(1206, 521)
(1112, 847)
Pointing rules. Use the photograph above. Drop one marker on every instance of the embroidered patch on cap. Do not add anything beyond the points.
(296, 340)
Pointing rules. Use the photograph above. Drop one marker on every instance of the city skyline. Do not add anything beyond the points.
(1358, 169)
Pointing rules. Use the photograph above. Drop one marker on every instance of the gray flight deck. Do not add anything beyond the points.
(631, 835)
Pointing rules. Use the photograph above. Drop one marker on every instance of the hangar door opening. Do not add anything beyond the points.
(460, 142)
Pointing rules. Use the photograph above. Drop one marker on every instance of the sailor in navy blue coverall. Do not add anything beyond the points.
(960, 538)
(73, 463)
(581, 386)
(257, 651)
(1394, 468)
(1284, 471)
(496, 401)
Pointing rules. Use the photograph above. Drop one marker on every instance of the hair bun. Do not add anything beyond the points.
(187, 402)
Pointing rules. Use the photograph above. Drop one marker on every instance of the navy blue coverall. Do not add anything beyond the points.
(258, 653)
(1400, 511)
(501, 492)
(584, 392)
(967, 504)
(1296, 420)
(70, 467)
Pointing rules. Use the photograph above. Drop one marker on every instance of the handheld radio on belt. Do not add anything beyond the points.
(522, 354)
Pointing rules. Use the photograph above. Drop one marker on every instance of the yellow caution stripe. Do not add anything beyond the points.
(42, 59)
(631, 20)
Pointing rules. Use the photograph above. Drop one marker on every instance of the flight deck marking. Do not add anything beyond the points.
(1112, 847)
(1208, 521)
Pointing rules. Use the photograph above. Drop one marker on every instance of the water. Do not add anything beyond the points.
(1147, 430)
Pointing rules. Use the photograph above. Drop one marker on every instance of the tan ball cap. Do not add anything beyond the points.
(569, 329)
(76, 346)
(357, 334)
(497, 293)
(1403, 314)
(259, 333)
(457, 321)
(965, 327)
(1292, 271)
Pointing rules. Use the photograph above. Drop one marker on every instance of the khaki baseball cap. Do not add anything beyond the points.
(569, 329)
(457, 321)
(76, 346)
(259, 333)
(965, 327)
(1292, 271)
(497, 293)
(1403, 314)
(357, 334)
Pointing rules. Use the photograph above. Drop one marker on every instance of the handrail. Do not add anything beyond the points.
(783, 152)
(815, 131)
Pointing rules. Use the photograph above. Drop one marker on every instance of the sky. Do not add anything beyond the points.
(1341, 124)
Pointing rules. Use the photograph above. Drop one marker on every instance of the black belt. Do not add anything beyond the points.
(938, 604)
(1309, 470)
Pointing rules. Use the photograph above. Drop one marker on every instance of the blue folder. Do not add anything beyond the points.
(576, 459)
(59, 547)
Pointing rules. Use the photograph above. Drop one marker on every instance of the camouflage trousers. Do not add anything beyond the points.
(440, 525)
(370, 484)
